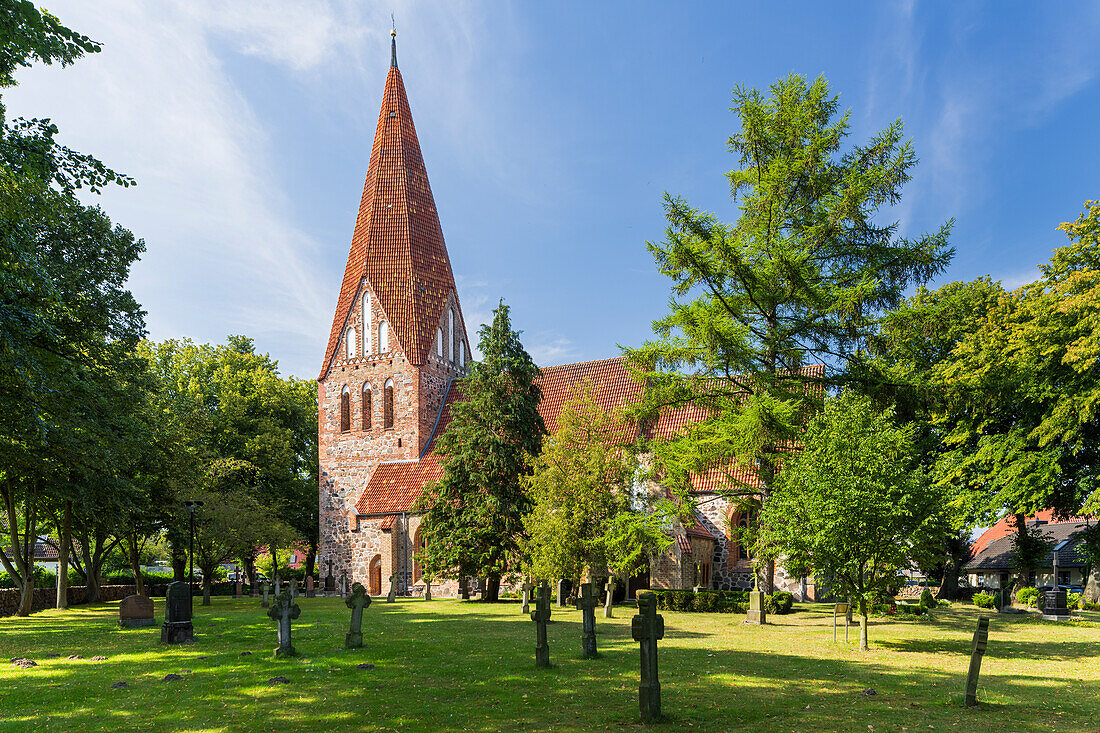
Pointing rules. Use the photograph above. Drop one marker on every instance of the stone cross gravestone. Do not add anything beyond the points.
(427, 589)
(610, 597)
(393, 587)
(239, 590)
(527, 588)
(647, 628)
(561, 593)
(310, 592)
(540, 616)
(358, 601)
(266, 602)
(977, 651)
(330, 580)
(136, 611)
(587, 605)
(177, 614)
(282, 611)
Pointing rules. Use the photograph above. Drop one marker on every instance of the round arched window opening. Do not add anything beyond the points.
(345, 410)
(387, 407)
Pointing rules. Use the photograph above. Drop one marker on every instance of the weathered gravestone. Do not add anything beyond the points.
(1055, 605)
(977, 651)
(282, 611)
(527, 588)
(562, 593)
(587, 605)
(330, 581)
(294, 589)
(254, 589)
(310, 592)
(610, 597)
(266, 602)
(239, 590)
(278, 586)
(177, 626)
(540, 616)
(358, 601)
(136, 611)
(647, 628)
(464, 588)
(393, 587)
(343, 585)
(756, 614)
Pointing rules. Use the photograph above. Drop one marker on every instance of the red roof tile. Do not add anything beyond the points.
(684, 543)
(398, 242)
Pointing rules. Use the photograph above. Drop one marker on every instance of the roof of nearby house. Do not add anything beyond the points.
(997, 553)
(1007, 525)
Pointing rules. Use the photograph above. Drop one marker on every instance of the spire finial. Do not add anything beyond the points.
(393, 42)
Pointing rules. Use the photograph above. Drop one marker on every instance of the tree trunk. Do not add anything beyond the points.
(63, 555)
(274, 562)
(949, 586)
(863, 625)
(135, 565)
(249, 563)
(1024, 575)
(311, 559)
(92, 565)
(1092, 587)
(491, 593)
(607, 613)
(179, 564)
(206, 588)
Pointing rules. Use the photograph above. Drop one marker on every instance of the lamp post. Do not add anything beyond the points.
(191, 505)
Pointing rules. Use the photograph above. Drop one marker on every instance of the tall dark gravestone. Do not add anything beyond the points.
(310, 592)
(357, 602)
(540, 616)
(330, 581)
(977, 651)
(587, 605)
(647, 628)
(177, 627)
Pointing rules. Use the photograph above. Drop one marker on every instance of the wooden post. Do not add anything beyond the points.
(977, 651)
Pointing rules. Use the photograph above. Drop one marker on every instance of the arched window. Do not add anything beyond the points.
(742, 521)
(383, 337)
(366, 406)
(451, 335)
(462, 353)
(387, 405)
(345, 410)
(439, 342)
(366, 323)
(349, 343)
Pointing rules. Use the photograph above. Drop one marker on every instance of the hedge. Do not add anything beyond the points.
(718, 601)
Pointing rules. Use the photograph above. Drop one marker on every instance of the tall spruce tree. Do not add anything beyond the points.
(798, 279)
(473, 523)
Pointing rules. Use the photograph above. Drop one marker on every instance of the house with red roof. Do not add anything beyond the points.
(398, 347)
(992, 564)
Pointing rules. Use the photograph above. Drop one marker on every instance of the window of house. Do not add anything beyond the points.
(383, 337)
(345, 410)
(439, 342)
(1063, 577)
(349, 343)
(366, 406)
(387, 411)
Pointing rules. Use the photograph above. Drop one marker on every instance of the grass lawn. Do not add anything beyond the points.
(450, 665)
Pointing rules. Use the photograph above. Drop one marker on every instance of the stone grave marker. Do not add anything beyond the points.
(527, 588)
(757, 614)
(358, 601)
(587, 605)
(330, 580)
(254, 589)
(562, 593)
(540, 616)
(647, 628)
(136, 611)
(239, 590)
(278, 586)
(463, 589)
(1055, 605)
(310, 592)
(294, 589)
(393, 587)
(610, 597)
(343, 585)
(266, 602)
(177, 627)
(977, 651)
(282, 611)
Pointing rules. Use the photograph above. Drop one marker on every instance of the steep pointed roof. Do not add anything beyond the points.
(398, 242)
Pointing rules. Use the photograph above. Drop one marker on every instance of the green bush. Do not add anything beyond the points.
(709, 601)
(1073, 600)
(1086, 605)
(926, 599)
(783, 601)
(1028, 597)
(983, 600)
(912, 609)
(736, 607)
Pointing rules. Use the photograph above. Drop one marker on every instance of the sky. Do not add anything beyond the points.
(550, 132)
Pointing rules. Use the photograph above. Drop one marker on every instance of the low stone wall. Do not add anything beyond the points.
(47, 597)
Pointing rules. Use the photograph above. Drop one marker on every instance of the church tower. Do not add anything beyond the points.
(398, 340)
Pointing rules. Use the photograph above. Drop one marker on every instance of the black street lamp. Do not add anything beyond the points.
(191, 505)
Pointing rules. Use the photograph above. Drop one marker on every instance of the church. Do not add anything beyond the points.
(397, 346)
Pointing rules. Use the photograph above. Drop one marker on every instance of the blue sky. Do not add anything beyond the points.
(550, 132)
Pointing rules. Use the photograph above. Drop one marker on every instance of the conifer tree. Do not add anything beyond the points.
(473, 515)
(798, 279)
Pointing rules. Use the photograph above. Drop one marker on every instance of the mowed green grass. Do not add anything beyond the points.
(448, 665)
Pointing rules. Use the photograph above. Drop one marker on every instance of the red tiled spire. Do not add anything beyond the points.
(398, 242)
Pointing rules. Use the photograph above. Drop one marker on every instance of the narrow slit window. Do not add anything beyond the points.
(439, 342)
(345, 410)
(383, 337)
(366, 407)
(366, 323)
(387, 411)
(349, 343)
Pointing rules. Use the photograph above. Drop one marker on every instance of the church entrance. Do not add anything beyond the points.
(376, 576)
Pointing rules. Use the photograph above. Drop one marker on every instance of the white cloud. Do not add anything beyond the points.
(549, 350)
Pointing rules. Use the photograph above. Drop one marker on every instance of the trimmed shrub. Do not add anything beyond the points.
(1028, 597)
(911, 609)
(709, 601)
(736, 607)
(783, 601)
(983, 600)
(1073, 600)
(926, 599)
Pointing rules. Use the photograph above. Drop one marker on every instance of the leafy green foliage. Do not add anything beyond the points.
(1027, 596)
(926, 599)
(473, 517)
(983, 600)
(853, 503)
(798, 279)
